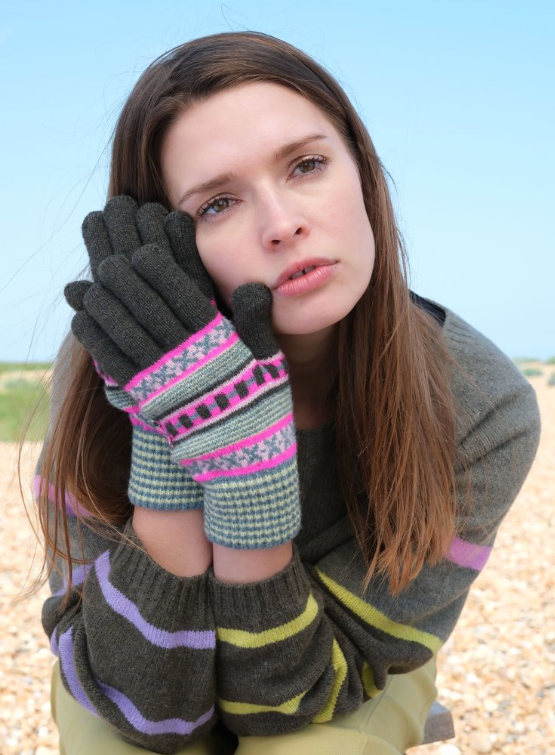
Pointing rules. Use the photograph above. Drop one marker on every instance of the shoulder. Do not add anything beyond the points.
(482, 366)
(472, 350)
(494, 401)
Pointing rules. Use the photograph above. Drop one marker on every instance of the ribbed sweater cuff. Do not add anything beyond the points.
(279, 596)
(160, 585)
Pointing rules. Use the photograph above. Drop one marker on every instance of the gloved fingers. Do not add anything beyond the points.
(145, 304)
(177, 289)
(75, 293)
(111, 360)
(97, 240)
(151, 224)
(252, 317)
(121, 327)
(181, 232)
(120, 217)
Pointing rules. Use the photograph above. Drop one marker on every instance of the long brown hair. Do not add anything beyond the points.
(394, 414)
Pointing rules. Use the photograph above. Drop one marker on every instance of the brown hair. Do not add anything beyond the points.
(394, 418)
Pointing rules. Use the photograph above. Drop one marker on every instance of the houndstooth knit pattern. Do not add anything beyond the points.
(229, 419)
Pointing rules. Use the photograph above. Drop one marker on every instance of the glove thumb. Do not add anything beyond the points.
(75, 294)
(252, 317)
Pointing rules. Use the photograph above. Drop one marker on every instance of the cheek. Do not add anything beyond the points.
(221, 268)
(350, 223)
(364, 235)
(369, 244)
(368, 258)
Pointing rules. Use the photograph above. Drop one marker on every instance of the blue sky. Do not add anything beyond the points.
(457, 96)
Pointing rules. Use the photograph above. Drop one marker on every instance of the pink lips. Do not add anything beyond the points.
(314, 272)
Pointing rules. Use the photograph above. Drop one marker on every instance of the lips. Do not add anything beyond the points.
(302, 272)
(298, 269)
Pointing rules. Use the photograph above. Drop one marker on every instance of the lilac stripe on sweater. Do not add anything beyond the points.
(470, 555)
(78, 575)
(119, 603)
(54, 644)
(129, 710)
(71, 505)
(146, 726)
(67, 663)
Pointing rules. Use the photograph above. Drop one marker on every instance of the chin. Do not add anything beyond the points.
(305, 322)
(303, 326)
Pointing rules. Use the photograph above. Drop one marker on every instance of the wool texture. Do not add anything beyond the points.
(162, 658)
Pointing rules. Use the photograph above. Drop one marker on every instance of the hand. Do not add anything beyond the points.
(155, 481)
(218, 391)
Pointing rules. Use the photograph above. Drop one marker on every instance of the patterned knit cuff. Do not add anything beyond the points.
(256, 511)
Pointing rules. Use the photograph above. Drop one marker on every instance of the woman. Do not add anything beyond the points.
(273, 524)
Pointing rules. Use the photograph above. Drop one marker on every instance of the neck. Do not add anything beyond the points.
(311, 363)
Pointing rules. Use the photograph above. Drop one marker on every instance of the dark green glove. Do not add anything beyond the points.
(219, 391)
(155, 481)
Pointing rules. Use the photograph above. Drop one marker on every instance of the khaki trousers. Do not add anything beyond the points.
(385, 725)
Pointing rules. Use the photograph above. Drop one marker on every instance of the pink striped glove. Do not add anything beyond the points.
(155, 482)
(218, 391)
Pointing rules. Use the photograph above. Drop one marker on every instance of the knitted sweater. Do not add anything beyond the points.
(162, 658)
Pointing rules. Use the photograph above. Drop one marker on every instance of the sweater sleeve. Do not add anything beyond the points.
(136, 644)
(307, 645)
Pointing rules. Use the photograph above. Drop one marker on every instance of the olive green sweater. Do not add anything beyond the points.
(163, 658)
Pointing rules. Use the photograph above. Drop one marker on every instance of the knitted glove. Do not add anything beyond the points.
(155, 482)
(218, 391)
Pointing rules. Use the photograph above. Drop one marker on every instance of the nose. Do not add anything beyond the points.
(282, 221)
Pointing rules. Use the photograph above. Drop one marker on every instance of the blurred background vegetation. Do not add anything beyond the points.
(535, 368)
(25, 395)
(24, 400)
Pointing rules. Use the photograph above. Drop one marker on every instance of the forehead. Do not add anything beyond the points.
(255, 113)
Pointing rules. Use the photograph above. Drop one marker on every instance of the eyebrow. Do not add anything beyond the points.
(223, 178)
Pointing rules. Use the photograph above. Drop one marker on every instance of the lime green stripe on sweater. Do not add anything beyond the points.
(377, 619)
(340, 667)
(291, 706)
(368, 681)
(243, 639)
(244, 709)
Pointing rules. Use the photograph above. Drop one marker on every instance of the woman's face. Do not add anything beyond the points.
(276, 198)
